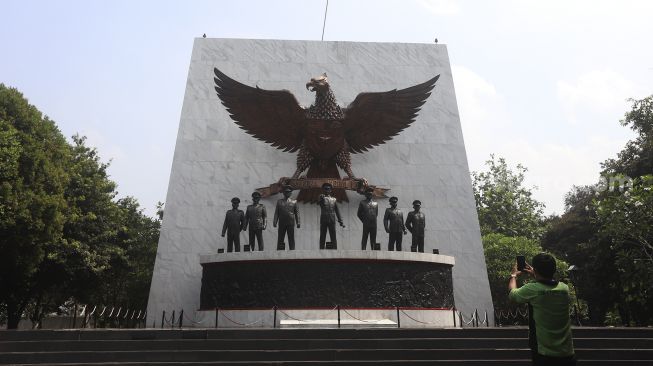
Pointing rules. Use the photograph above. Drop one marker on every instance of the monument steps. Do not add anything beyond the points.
(464, 347)
(291, 344)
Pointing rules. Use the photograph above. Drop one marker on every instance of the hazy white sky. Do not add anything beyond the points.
(542, 83)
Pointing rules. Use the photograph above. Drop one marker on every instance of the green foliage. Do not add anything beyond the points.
(500, 257)
(127, 278)
(625, 222)
(33, 171)
(636, 159)
(504, 205)
(63, 235)
(608, 233)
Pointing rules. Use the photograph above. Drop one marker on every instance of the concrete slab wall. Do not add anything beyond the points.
(215, 160)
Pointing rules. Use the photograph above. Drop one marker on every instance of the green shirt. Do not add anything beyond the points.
(550, 304)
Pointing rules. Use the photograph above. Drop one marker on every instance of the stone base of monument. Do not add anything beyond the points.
(328, 288)
(324, 318)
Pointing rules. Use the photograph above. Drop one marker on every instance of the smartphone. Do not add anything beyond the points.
(521, 262)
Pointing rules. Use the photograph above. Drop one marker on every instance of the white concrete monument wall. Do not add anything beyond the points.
(215, 160)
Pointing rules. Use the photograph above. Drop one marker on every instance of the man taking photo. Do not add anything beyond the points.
(548, 304)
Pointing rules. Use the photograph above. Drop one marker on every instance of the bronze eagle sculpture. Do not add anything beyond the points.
(324, 133)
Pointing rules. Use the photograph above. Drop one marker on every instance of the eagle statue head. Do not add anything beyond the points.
(318, 84)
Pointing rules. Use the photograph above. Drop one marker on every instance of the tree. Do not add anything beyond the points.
(127, 279)
(33, 171)
(636, 159)
(504, 205)
(63, 235)
(607, 232)
(73, 270)
(626, 223)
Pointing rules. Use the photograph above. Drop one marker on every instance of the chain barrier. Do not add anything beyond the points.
(165, 319)
(193, 321)
(364, 321)
(413, 319)
(300, 320)
(471, 320)
(485, 321)
(238, 323)
(510, 317)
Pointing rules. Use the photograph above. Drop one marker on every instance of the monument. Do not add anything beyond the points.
(239, 140)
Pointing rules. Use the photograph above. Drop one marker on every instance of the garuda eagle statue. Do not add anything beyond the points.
(325, 134)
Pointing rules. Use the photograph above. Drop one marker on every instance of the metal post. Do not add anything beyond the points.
(338, 316)
(476, 317)
(216, 317)
(487, 321)
(454, 317)
(460, 317)
(172, 320)
(181, 318)
(398, 318)
(95, 321)
(163, 316)
(86, 319)
(274, 321)
(75, 316)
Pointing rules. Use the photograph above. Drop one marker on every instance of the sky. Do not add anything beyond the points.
(540, 83)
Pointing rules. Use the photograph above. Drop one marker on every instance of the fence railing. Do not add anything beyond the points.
(224, 318)
(511, 317)
(104, 316)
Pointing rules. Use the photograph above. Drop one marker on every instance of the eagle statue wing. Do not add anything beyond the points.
(273, 116)
(374, 118)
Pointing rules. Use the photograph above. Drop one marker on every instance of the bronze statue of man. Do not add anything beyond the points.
(368, 211)
(393, 220)
(256, 219)
(286, 214)
(415, 223)
(328, 213)
(233, 224)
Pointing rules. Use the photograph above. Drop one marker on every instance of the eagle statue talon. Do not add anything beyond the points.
(324, 134)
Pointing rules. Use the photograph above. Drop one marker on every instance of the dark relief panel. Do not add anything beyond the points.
(326, 283)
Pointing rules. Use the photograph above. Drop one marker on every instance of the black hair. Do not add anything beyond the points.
(544, 264)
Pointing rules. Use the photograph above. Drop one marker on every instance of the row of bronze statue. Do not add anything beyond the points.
(286, 216)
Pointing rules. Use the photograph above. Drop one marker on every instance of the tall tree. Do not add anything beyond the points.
(504, 205)
(625, 222)
(605, 232)
(33, 172)
(63, 234)
(127, 278)
(636, 158)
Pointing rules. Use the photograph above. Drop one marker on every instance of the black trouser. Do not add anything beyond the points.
(395, 239)
(258, 235)
(233, 240)
(418, 244)
(371, 232)
(290, 229)
(332, 234)
(540, 360)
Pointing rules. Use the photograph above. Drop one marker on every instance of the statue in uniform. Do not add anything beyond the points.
(368, 211)
(286, 214)
(328, 213)
(393, 220)
(415, 223)
(256, 219)
(233, 224)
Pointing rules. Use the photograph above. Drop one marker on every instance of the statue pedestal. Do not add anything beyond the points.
(307, 287)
